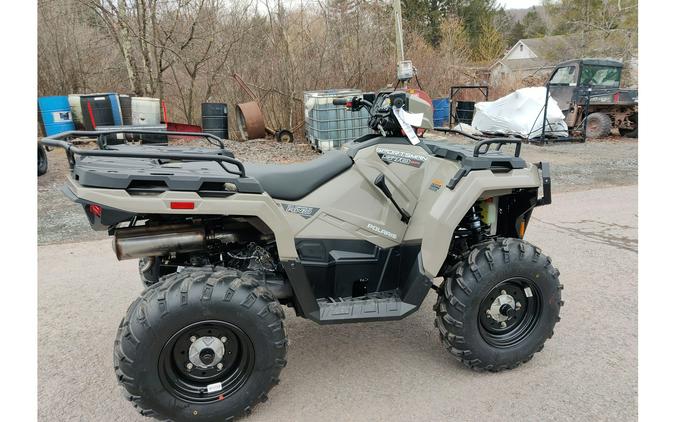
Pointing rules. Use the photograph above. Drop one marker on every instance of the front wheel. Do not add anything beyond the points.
(496, 308)
(42, 162)
(150, 269)
(204, 344)
(598, 125)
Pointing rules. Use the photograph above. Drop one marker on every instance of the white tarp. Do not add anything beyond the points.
(463, 127)
(520, 113)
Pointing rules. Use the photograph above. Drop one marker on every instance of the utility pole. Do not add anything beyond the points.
(398, 21)
(404, 68)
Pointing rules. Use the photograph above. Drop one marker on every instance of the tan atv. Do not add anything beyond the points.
(357, 235)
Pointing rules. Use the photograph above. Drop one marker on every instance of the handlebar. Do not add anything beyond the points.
(341, 101)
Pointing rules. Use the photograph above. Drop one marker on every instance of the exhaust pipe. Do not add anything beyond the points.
(137, 242)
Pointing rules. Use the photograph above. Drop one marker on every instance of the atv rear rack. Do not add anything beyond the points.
(64, 140)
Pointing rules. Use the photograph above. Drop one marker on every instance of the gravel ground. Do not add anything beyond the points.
(395, 371)
(594, 164)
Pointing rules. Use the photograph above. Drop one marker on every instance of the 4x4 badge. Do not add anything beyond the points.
(306, 212)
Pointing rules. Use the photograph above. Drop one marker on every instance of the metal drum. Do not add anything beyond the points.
(146, 111)
(97, 110)
(125, 107)
(214, 119)
(55, 115)
(465, 110)
(441, 112)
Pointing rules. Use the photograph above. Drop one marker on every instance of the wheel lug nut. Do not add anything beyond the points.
(223, 339)
(503, 292)
(219, 366)
(518, 305)
(189, 366)
(502, 324)
(193, 339)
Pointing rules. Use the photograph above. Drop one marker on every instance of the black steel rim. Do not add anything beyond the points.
(193, 385)
(524, 320)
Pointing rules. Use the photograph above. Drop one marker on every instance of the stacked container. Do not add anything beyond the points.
(328, 126)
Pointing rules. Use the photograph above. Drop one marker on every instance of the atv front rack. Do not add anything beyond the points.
(478, 157)
(499, 142)
(65, 140)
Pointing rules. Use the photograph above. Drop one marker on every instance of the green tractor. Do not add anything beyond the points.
(609, 106)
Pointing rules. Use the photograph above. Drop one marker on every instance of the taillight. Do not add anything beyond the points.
(97, 210)
(182, 205)
(616, 97)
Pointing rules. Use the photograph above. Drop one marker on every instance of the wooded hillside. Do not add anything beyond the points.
(185, 50)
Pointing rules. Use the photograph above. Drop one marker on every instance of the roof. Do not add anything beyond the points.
(593, 61)
(553, 49)
(550, 45)
(524, 64)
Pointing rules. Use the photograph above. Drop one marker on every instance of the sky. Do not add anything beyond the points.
(519, 4)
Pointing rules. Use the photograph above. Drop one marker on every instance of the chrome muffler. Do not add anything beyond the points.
(137, 242)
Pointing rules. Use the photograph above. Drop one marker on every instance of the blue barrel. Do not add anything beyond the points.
(54, 115)
(116, 109)
(441, 112)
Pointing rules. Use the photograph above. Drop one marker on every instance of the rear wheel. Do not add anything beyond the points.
(598, 125)
(631, 133)
(203, 343)
(498, 307)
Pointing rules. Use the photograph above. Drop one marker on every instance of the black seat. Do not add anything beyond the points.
(295, 181)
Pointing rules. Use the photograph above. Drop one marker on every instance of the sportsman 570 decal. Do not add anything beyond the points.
(402, 157)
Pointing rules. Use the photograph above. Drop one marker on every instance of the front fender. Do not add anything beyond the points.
(451, 206)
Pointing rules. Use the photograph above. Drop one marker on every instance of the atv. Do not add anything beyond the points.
(361, 234)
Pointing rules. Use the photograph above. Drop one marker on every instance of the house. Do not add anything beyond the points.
(536, 57)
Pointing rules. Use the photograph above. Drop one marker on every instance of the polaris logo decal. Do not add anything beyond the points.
(383, 232)
(402, 157)
(303, 211)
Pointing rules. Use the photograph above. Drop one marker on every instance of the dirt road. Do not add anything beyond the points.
(382, 371)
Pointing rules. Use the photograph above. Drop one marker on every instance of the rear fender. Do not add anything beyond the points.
(239, 204)
(102, 218)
